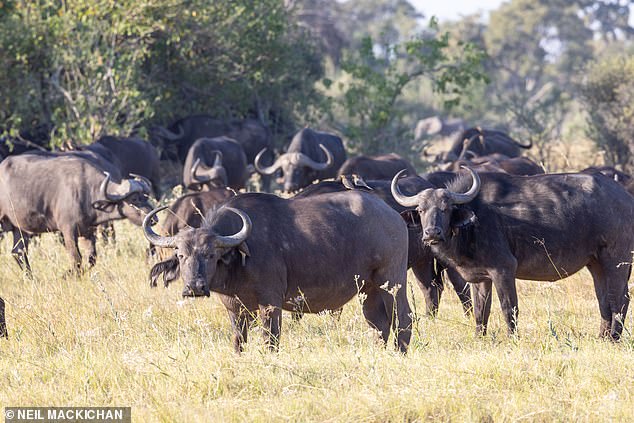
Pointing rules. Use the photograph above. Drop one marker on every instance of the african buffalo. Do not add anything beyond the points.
(132, 156)
(310, 255)
(621, 177)
(311, 156)
(384, 166)
(215, 163)
(419, 256)
(482, 142)
(493, 227)
(44, 192)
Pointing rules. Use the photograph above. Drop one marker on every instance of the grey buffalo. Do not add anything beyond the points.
(264, 253)
(311, 156)
(493, 227)
(215, 163)
(44, 192)
(383, 166)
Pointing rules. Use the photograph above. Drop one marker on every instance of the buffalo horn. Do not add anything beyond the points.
(400, 198)
(270, 169)
(307, 161)
(144, 181)
(153, 237)
(193, 172)
(457, 198)
(239, 237)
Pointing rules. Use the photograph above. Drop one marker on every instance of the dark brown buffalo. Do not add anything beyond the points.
(282, 255)
(69, 193)
(419, 256)
(215, 163)
(483, 142)
(132, 156)
(311, 156)
(384, 166)
(493, 227)
(521, 166)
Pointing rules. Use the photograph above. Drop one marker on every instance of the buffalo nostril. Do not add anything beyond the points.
(433, 232)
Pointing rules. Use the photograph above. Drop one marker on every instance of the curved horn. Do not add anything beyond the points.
(103, 188)
(239, 237)
(193, 172)
(307, 161)
(153, 237)
(457, 198)
(143, 180)
(270, 169)
(166, 133)
(400, 198)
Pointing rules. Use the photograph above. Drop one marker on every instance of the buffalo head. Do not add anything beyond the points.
(214, 176)
(129, 198)
(297, 168)
(439, 209)
(197, 252)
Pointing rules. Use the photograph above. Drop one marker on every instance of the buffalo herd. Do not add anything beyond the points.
(345, 226)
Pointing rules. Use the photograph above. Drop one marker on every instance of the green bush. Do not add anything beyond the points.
(608, 94)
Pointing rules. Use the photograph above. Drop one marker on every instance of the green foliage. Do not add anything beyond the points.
(88, 68)
(608, 94)
(379, 74)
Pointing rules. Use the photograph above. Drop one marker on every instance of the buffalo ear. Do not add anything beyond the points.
(462, 217)
(243, 249)
(412, 218)
(104, 206)
(170, 269)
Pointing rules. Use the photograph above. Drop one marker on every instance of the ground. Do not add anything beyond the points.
(107, 339)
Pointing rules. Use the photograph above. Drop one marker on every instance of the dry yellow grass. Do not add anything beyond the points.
(106, 338)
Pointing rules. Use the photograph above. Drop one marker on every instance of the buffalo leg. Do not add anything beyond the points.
(3, 322)
(240, 326)
(601, 291)
(430, 284)
(271, 316)
(71, 244)
(374, 310)
(89, 241)
(398, 312)
(462, 289)
(481, 295)
(506, 289)
(615, 276)
(20, 250)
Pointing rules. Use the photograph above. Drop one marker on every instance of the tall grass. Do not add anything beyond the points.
(106, 338)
